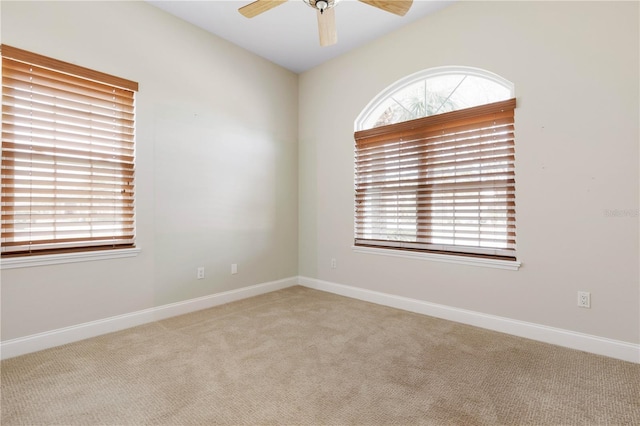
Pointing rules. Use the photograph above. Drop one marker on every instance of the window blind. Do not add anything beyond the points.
(442, 183)
(67, 156)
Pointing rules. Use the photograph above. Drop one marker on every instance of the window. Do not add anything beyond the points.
(67, 157)
(434, 168)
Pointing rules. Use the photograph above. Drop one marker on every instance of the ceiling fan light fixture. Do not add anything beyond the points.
(326, 22)
(321, 5)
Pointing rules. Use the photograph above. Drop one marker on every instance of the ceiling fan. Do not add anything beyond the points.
(326, 14)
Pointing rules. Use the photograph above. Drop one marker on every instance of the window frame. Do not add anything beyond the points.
(87, 250)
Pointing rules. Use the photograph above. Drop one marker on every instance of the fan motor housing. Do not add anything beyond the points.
(330, 3)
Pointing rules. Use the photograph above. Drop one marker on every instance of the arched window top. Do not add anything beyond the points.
(434, 91)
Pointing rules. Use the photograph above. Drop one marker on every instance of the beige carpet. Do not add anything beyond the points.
(299, 356)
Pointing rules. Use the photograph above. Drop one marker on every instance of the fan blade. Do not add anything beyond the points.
(259, 6)
(398, 7)
(327, 27)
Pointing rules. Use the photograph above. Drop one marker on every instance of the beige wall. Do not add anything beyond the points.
(250, 160)
(575, 70)
(216, 164)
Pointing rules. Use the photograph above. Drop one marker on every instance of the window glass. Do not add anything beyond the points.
(434, 91)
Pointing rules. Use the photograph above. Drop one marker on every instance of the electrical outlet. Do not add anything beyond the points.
(334, 264)
(234, 268)
(200, 274)
(584, 299)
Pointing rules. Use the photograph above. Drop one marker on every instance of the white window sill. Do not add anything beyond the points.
(511, 265)
(56, 259)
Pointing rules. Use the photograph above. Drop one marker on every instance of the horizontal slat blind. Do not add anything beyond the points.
(67, 157)
(440, 183)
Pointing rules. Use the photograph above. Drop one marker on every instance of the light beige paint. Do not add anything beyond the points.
(575, 69)
(216, 168)
(245, 146)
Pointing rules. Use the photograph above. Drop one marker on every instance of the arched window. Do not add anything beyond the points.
(435, 165)
(434, 91)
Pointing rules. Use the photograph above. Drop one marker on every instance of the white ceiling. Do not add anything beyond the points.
(288, 34)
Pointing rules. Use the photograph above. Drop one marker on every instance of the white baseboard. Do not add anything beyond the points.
(61, 336)
(570, 339)
(598, 345)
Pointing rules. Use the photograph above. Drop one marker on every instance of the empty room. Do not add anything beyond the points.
(313, 212)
